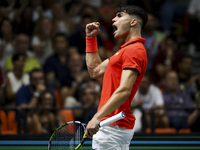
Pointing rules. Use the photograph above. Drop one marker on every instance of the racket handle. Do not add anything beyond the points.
(112, 119)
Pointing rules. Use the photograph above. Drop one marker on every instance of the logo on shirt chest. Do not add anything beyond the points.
(115, 60)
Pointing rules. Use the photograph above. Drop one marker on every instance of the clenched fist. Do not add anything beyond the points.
(92, 29)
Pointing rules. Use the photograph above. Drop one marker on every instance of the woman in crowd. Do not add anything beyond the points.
(46, 120)
(15, 79)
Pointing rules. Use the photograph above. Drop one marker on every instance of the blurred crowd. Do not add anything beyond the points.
(42, 61)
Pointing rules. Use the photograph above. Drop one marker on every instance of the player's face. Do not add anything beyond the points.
(121, 25)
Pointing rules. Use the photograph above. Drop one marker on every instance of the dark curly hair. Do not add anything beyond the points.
(134, 10)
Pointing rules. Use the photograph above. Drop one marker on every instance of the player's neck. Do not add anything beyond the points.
(133, 34)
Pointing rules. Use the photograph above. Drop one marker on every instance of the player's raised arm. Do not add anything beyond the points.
(96, 67)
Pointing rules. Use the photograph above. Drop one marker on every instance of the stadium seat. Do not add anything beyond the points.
(12, 124)
(184, 131)
(67, 114)
(9, 125)
(148, 130)
(58, 98)
(165, 130)
(4, 123)
(162, 130)
(8, 132)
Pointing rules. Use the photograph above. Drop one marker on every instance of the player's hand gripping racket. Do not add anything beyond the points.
(70, 136)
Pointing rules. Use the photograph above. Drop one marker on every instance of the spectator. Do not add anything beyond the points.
(15, 79)
(56, 67)
(96, 85)
(89, 10)
(45, 120)
(21, 6)
(2, 85)
(38, 10)
(7, 8)
(167, 59)
(76, 66)
(6, 40)
(188, 82)
(170, 12)
(73, 10)
(94, 3)
(174, 99)
(153, 38)
(24, 23)
(77, 75)
(152, 6)
(80, 37)
(73, 101)
(27, 96)
(41, 42)
(21, 47)
(61, 22)
(194, 118)
(151, 97)
(28, 13)
(15, 10)
(88, 107)
(185, 69)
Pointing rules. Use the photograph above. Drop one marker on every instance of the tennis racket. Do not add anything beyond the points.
(71, 135)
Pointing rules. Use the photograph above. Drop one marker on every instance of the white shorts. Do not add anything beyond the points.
(112, 138)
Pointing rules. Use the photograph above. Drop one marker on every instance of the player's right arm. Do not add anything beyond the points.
(96, 67)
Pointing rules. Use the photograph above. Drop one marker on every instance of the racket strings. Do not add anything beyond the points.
(67, 137)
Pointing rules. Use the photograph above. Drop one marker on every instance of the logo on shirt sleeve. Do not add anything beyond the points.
(116, 53)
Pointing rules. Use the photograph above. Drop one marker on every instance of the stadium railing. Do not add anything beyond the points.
(14, 125)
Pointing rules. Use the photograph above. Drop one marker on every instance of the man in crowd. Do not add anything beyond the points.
(173, 99)
(151, 97)
(22, 47)
(27, 96)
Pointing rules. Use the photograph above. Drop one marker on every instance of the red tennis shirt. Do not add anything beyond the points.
(132, 55)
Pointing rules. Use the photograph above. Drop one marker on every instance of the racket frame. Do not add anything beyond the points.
(65, 124)
(119, 116)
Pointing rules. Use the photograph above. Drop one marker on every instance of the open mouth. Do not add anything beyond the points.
(115, 28)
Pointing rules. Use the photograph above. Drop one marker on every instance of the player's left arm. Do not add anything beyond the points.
(128, 79)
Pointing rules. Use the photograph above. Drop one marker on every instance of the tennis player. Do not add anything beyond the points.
(122, 74)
